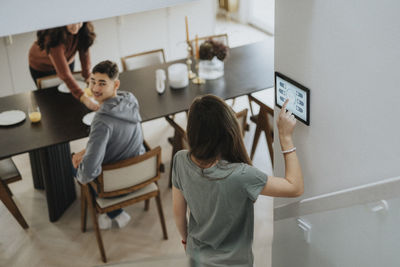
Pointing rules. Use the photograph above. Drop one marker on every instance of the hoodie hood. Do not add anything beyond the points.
(123, 106)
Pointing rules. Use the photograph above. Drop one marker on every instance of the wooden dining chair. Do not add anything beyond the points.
(9, 174)
(217, 37)
(54, 80)
(143, 59)
(264, 123)
(180, 141)
(122, 184)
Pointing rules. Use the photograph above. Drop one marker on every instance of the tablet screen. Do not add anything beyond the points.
(299, 97)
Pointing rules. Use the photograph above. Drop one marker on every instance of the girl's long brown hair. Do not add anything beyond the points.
(213, 131)
(53, 37)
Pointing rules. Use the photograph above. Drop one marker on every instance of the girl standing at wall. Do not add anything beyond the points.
(216, 181)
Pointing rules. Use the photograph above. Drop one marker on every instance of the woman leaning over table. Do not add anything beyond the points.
(54, 53)
(217, 182)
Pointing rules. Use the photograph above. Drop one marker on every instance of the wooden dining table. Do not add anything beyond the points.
(248, 69)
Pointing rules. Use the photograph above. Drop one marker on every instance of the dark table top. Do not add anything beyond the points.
(248, 69)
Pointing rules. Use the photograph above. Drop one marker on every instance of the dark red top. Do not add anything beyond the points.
(58, 59)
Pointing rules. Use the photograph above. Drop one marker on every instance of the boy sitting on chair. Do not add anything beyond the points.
(115, 133)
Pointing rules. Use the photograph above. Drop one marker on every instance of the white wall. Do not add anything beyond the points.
(116, 37)
(18, 64)
(5, 74)
(350, 237)
(45, 14)
(258, 13)
(262, 14)
(347, 53)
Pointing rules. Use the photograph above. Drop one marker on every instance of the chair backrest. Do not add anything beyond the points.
(143, 59)
(267, 109)
(218, 37)
(129, 175)
(54, 80)
(8, 171)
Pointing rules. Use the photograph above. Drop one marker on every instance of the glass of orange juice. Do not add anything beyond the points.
(34, 113)
(88, 92)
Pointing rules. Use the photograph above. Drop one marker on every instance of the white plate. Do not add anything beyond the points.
(63, 88)
(11, 117)
(88, 118)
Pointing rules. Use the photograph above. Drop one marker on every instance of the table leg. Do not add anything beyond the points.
(52, 170)
(34, 157)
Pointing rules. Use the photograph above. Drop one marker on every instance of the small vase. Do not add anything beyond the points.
(211, 69)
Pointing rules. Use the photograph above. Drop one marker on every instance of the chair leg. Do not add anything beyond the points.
(255, 141)
(269, 140)
(162, 167)
(11, 206)
(91, 203)
(233, 102)
(170, 171)
(146, 204)
(263, 126)
(270, 148)
(83, 210)
(8, 190)
(176, 146)
(161, 215)
(250, 105)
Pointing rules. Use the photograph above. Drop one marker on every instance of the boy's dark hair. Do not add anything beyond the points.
(107, 67)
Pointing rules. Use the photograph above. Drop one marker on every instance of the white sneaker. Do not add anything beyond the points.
(122, 219)
(104, 222)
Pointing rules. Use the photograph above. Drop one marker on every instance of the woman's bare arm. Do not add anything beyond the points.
(292, 184)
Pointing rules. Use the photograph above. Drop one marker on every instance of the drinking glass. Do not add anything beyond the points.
(34, 112)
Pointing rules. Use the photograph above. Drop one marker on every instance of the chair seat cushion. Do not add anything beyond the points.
(8, 169)
(107, 202)
(134, 174)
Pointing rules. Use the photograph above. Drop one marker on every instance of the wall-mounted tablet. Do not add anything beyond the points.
(299, 97)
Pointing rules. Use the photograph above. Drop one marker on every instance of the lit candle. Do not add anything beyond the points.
(197, 48)
(187, 29)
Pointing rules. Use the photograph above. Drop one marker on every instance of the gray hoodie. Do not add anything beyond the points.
(115, 134)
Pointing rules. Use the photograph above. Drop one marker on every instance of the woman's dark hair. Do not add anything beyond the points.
(49, 38)
(214, 132)
(107, 67)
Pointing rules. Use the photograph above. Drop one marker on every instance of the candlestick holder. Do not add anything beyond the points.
(198, 80)
(191, 74)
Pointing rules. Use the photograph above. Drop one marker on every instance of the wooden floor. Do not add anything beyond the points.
(63, 244)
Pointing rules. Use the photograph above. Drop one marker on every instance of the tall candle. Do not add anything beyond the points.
(197, 47)
(187, 29)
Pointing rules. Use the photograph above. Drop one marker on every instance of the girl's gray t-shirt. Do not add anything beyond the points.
(221, 203)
